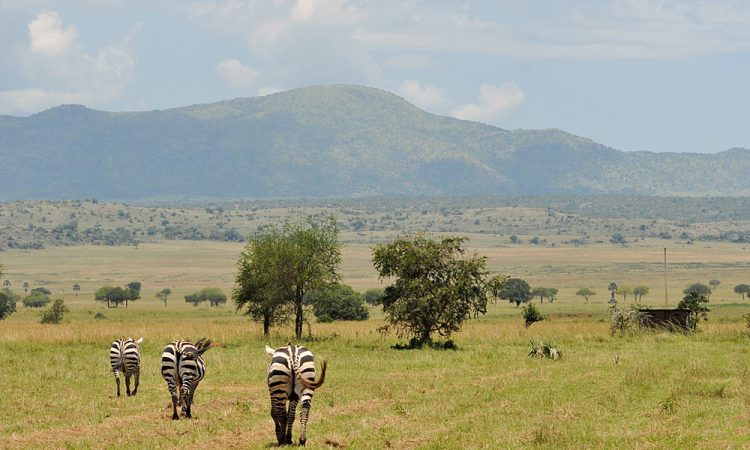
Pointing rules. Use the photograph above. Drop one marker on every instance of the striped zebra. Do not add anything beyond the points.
(291, 378)
(125, 357)
(182, 365)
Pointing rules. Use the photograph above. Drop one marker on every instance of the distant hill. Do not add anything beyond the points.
(327, 141)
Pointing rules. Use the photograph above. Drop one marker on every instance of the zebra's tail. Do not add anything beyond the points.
(201, 345)
(312, 384)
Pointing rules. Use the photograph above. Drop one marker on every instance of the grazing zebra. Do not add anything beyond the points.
(125, 357)
(182, 365)
(291, 377)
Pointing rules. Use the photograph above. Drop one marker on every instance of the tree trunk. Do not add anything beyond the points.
(266, 325)
(298, 320)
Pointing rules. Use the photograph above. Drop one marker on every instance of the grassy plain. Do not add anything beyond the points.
(655, 390)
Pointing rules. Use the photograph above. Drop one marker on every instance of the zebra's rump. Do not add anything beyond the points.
(125, 355)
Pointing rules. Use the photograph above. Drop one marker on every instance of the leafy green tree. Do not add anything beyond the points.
(7, 304)
(436, 285)
(76, 288)
(55, 313)
(515, 290)
(213, 296)
(714, 284)
(114, 295)
(36, 300)
(374, 296)
(26, 287)
(640, 291)
(42, 290)
(256, 290)
(132, 292)
(618, 238)
(195, 299)
(585, 293)
(698, 288)
(539, 292)
(697, 304)
(742, 289)
(624, 291)
(338, 302)
(531, 315)
(307, 257)
(551, 293)
(163, 295)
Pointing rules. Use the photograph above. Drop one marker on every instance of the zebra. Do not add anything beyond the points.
(182, 365)
(125, 357)
(291, 377)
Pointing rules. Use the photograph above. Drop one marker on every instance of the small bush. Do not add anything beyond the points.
(37, 299)
(55, 313)
(7, 304)
(374, 296)
(531, 314)
(100, 316)
(338, 302)
(626, 320)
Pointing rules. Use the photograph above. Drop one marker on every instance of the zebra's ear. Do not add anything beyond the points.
(139, 340)
(269, 350)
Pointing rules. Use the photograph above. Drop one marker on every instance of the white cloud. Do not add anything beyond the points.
(239, 75)
(48, 35)
(495, 102)
(426, 97)
(58, 70)
(268, 90)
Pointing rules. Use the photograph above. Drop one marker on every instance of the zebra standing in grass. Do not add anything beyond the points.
(125, 357)
(182, 365)
(291, 377)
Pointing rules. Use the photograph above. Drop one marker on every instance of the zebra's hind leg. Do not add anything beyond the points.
(137, 379)
(127, 384)
(278, 414)
(117, 380)
(290, 418)
(304, 414)
(175, 399)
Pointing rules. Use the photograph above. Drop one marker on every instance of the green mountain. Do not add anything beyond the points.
(327, 141)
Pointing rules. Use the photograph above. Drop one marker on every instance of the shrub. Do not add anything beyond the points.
(55, 313)
(625, 320)
(338, 302)
(36, 300)
(541, 349)
(531, 314)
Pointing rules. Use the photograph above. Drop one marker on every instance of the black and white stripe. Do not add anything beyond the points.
(125, 357)
(183, 366)
(291, 378)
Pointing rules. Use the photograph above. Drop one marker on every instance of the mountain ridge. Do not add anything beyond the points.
(327, 141)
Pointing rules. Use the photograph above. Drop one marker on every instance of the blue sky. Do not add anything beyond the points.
(635, 75)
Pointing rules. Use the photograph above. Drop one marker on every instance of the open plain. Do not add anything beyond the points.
(649, 390)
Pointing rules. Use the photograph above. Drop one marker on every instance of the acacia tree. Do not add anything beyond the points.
(163, 295)
(539, 292)
(76, 288)
(6, 285)
(640, 291)
(742, 289)
(436, 285)
(698, 288)
(714, 284)
(585, 293)
(281, 264)
(26, 287)
(515, 290)
(624, 291)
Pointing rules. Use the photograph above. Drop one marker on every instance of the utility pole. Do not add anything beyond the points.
(665, 276)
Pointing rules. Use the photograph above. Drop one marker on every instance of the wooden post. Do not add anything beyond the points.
(665, 276)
